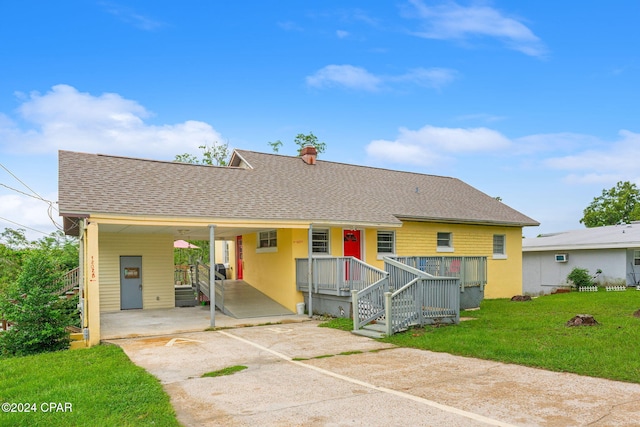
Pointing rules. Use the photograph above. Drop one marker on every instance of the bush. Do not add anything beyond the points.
(38, 316)
(580, 277)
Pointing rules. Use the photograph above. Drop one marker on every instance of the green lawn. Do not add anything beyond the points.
(533, 333)
(100, 385)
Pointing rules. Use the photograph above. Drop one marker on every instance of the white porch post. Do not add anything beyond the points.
(310, 270)
(212, 274)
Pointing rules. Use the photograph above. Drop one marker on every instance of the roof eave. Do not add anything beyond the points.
(467, 221)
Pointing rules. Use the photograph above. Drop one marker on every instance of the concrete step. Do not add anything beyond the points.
(379, 327)
(368, 333)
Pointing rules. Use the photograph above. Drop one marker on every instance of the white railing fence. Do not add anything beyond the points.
(336, 275)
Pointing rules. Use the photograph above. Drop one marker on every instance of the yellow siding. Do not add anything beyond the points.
(273, 273)
(504, 276)
(157, 268)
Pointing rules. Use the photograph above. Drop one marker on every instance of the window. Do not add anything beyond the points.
(320, 241)
(445, 242)
(636, 257)
(386, 242)
(499, 246)
(267, 239)
(226, 253)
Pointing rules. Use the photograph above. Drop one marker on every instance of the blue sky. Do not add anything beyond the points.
(536, 102)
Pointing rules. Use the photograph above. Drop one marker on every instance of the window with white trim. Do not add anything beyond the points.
(267, 239)
(499, 246)
(444, 242)
(320, 241)
(386, 242)
(636, 257)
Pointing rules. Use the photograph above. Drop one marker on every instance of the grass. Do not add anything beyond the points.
(338, 323)
(534, 334)
(100, 385)
(225, 371)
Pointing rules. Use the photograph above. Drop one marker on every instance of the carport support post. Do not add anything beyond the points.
(310, 269)
(212, 274)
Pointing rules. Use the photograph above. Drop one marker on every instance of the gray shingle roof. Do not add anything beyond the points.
(277, 187)
(611, 236)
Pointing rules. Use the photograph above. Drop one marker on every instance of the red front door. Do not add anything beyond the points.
(239, 257)
(351, 247)
(352, 243)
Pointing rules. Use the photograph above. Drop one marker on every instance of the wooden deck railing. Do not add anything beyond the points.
(413, 298)
(336, 275)
(471, 270)
(70, 280)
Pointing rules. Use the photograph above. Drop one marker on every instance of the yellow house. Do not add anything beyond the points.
(275, 210)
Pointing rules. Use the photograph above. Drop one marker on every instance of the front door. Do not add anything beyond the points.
(239, 257)
(351, 247)
(130, 282)
(352, 243)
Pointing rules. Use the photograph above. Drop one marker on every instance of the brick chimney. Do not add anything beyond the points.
(309, 154)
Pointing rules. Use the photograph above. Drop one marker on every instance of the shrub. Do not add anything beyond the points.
(580, 277)
(38, 316)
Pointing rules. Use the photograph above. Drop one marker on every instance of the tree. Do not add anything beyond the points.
(620, 204)
(31, 304)
(216, 155)
(275, 145)
(301, 140)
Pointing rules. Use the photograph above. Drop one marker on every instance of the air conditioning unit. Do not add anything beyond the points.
(562, 257)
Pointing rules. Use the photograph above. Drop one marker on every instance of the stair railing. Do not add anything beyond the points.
(69, 281)
(368, 303)
(202, 284)
(407, 297)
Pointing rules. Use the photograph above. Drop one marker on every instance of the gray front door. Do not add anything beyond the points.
(130, 282)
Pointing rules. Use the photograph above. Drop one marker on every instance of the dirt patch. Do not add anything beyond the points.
(521, 298)
(582, 320)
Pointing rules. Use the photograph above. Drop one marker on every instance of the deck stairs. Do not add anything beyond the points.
(404, 298)
(185, 296)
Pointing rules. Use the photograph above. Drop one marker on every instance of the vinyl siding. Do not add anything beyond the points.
(504, 276)
(157, 268)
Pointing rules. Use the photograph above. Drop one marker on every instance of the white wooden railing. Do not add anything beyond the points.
(413, 298)
(336, 275)
(203, 287)
(471, 270)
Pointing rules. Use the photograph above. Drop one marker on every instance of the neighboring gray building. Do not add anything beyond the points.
(548, 259)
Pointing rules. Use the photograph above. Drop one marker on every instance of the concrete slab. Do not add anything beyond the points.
(291, 381)
(142, 323)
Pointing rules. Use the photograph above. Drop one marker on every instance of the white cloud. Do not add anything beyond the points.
(344, 75)
(65, 118)
(131, 17)
(427, 77)
(358, 78)
(28, 212)
(342, 34)
(452, 21)
(613, 161)
(430, 144)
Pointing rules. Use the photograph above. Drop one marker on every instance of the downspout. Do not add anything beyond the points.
(310, 269)
(212, 274)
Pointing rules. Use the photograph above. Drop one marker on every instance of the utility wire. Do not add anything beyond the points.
(22, 182)
(21, 225)
(38, 196)
(26, 194)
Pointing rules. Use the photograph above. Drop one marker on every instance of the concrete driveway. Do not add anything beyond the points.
(302, 375)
